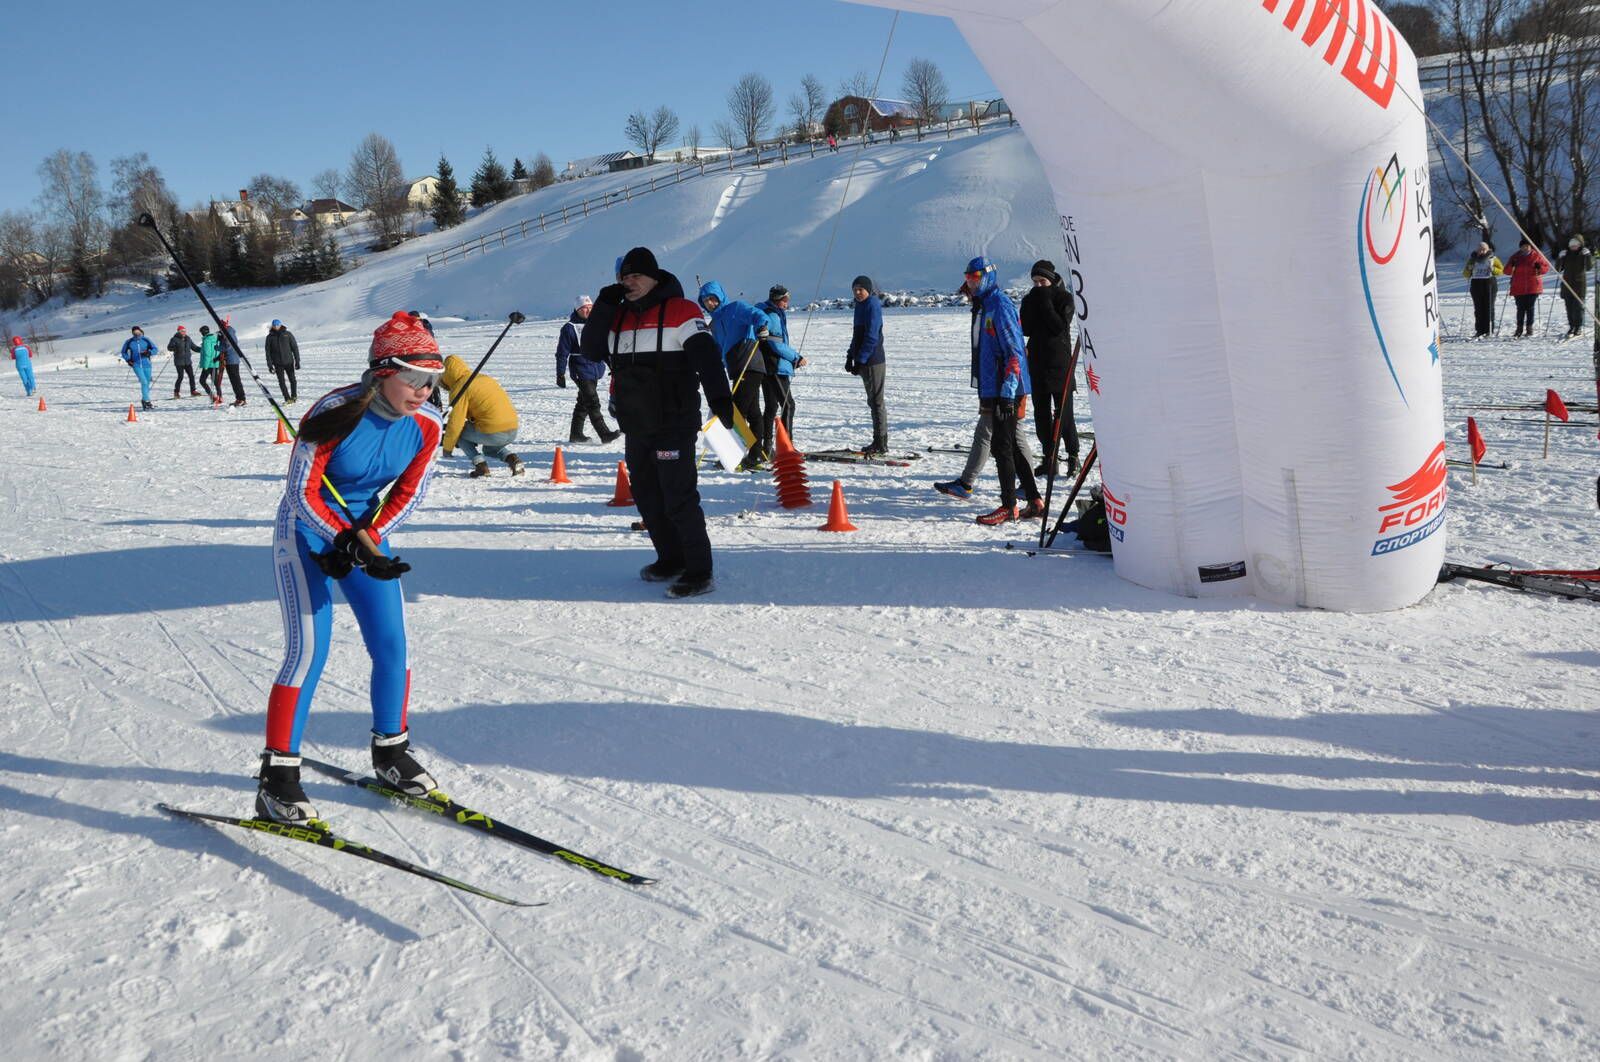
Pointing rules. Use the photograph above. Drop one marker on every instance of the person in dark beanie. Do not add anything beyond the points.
(586, 373)
(210, 365)
(1574, 263)
(1526, 269)
(136, 351)
(661, 354)
(1046, 316)
(865, 359)
(283, 358)
(182, 349)
(782, 361)
(228, 344)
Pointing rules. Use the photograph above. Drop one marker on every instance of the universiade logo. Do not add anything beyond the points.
(1369, 66)
(1380, 223)
(1417, 509)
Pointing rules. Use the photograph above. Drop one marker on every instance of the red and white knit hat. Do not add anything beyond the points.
(402, 343)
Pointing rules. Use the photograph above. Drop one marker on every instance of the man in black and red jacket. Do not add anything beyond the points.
(661, 354)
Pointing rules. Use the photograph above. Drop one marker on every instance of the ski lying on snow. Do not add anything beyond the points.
(316, 832)
(1575, 589)
(1456, 462)
(856, 457)
(1035, 550)
(439, 804)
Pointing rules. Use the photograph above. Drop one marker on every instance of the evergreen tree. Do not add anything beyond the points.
(491, 183)
(260, 257)
(330, 264)
(80, 279)
(446, 208)
(519, 172)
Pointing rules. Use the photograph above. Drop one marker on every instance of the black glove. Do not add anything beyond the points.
(561, 379)
(722, 408)
(371, 561)
(1005, 408)
(334, 564)
(612, 294)
(850, 365)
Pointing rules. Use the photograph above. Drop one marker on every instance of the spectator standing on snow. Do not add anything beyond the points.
(1002, 371)
(782, 361)
(1574, 262)
(229, 347)
(136, 351)
(182, 349)
(24, 359)
(210, 365)
(739, 328)
(662, 354)
(1482, 270)
(1046, 316)
(586, 373)
(283, 358)
(1526, 269)
(480, 416)
(865, 359)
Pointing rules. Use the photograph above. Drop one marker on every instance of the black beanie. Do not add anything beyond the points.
(776, 292)
(863, 281)
(640, 260)
(1047, 269)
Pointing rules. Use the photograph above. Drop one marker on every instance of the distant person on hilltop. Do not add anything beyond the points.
(183, 350)
(586, 373)
(136, 351)
(1482, 270)
(24, 359)
(739, 328)
(1046, 314)
(1574, 262)
(782, 361)
(865, 359)
(283, 358)
(1526, 269)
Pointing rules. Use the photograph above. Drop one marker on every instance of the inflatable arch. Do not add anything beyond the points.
(1243, 191)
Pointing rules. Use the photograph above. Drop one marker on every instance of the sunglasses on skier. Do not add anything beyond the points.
(416, 379)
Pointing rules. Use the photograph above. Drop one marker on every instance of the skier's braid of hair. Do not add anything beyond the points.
(339, 421)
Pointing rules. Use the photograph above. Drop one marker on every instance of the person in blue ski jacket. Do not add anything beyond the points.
(782, 359)
(136, 351)
(738, 328)
(865, 358)
(374, 442)
(228, 345)
(1000, 365)
(586, 373)
(24, 359)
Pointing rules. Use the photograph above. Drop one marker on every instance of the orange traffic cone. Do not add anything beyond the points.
(624, 492)
(133, 418)
(789, 471)
(283, 433)
(558, 471)
(42, 406)
(838, 519)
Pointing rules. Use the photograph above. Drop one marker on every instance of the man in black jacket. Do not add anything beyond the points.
(662, 355)
(183, 350)
(1046, 314)
(283, 358)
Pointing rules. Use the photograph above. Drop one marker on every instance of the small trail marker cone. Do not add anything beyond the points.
(283, 433)
(558, 470)
(624, 492)
(42, 406)
(133, 418)
(838, 518)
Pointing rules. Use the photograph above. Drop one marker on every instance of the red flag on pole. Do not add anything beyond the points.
(1475, 440)
(1554, 406)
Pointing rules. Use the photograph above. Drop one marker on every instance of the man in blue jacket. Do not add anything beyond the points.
(738, 328)
(1000, 363)
(865, 359)
(229, 345)
(136, 351)
(586, 373)
(782, 360)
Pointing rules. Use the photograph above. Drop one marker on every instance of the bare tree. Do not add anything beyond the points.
(925, 90)
(327, 184)
(72, 197)
(725, 133)
(278, 196)
(816, 102)
(543, 174)
(378, 185)
(692, 138)
(751, 107)
(33, 250)
(648, 132)
(859, 83)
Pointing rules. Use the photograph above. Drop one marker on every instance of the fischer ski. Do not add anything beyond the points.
(1576, 588)
(316, 832)
(438, 803)
(1035, 551)
(857, 457)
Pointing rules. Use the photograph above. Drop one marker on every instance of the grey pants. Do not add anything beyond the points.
(978, 456)
(872, 380)
(496, 444)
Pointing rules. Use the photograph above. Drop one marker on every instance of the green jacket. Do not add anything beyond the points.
(208, 353)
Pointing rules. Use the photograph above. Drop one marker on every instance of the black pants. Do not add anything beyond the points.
(662, 471)
(588, 406)
(1048, 388)
(784, 386)
(177, 381)
(1574, 305)
(1009, 461)
(872, 380)
(286, 382)
(1483, 289)
(774, 394)
(1525, 305)
(747, 397)
(238, 384)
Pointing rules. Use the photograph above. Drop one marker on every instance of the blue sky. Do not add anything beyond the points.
(217, 93)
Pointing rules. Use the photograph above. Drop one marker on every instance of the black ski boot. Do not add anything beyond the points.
(392, 762)
(576, 435)
(660, 572)
(691, 586)
(279, 797)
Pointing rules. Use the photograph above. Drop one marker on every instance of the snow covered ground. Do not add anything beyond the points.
(907, 795)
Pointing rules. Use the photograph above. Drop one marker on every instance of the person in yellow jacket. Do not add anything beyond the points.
(482, 417)
(1482, 270)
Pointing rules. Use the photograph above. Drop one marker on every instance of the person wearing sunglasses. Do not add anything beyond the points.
(1001, 369)
(375, 434)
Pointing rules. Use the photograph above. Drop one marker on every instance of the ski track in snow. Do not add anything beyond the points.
(907, 795)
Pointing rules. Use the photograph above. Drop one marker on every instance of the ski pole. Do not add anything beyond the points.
(1083, 474)
(515, 318)
(1055, 440)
